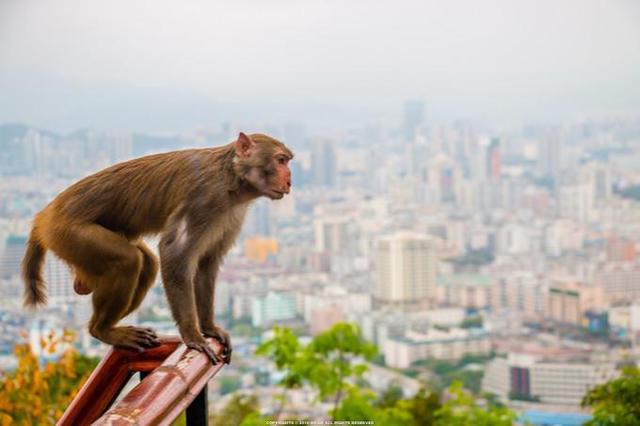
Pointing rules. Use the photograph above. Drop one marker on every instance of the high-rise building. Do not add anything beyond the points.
(599, 178)
(494, 159)
(406, 266)
(621, 250)
(259, 249)
(487, 161)
(59, 281)
(550, 375)
(569, 300)
(413, 118)
(549, 155)
(453, 344)
(576, 202)
(331, 234)
(273, 307)
(15, 247)
(323, 163)
(620, 281)
(259, 219)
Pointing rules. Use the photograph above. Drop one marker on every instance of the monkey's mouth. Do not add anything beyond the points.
(274, 194)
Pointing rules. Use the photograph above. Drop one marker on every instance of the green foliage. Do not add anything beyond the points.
(475, 359)
(423, 407)
(471, 379)
(358, 404)
(285, 351)
(329, 358)
(325, 363)
(617, 401)
(181, 420)
(461, 410)
(253, 419)
(329, 364)
(238, 409)
(447, 372)
(390, 397)
(472, 322)
(475, 258)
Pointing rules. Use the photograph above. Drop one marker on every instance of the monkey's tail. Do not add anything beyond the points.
(35, 289)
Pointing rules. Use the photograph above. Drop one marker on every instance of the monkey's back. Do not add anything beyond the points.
(134, 197)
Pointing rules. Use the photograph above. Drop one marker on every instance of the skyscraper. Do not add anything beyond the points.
(494, 159)
(323, 163)
(487, 161)
(549, 152)
(406, 266)
(14, 250)
(413, 118)
(331, 234)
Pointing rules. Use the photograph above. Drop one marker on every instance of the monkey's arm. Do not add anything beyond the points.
(205, 286)
(178, 270)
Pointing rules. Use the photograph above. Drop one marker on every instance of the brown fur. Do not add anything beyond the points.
(196, 199)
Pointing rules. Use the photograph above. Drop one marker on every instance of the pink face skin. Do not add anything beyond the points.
(283, 176)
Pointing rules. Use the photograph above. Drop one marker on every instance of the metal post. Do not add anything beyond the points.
(197, 412)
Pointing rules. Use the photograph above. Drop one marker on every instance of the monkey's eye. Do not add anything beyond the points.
(282, 160)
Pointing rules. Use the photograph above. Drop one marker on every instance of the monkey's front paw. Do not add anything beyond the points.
(221, 336)
(202, 346)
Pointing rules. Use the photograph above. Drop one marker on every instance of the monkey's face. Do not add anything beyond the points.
(278, 175)
(265, 164)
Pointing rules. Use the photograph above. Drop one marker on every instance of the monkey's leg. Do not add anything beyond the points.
(146, 279)
(111, 299)
(112, 266)
(205, 286)
(178, 274)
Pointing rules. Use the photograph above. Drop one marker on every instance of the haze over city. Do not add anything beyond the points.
(167, 66)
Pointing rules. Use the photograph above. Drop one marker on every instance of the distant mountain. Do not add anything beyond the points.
(64, 105)
(142, 143)
(11, 131)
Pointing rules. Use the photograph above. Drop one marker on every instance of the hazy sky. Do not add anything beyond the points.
(499, 59)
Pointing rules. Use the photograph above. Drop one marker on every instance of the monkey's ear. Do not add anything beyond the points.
(244, 146)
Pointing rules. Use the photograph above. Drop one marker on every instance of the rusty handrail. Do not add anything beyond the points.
(167, 391)
(178, 374)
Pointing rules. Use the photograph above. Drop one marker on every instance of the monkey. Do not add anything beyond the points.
(195, 199)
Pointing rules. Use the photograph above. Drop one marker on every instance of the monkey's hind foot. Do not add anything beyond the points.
(129, 337)
(223, 337)
(203, 346)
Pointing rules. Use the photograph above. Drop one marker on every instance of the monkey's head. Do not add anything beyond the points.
(263, 162)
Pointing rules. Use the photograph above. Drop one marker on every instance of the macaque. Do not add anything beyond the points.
(196, 199)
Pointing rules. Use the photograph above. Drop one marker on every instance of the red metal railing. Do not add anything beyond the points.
(177, 375)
